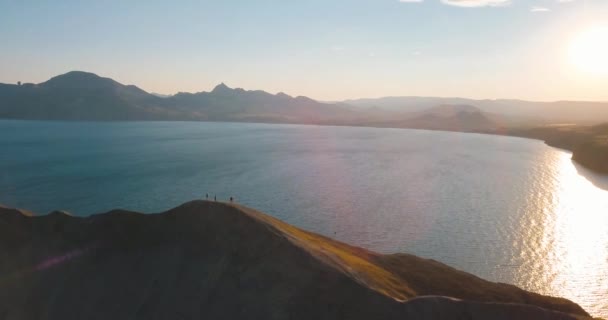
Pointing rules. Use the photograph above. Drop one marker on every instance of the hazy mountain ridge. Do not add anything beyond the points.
(583, 112)
(222, 261)
(80, 95)
(452, 118)
(447, 117)
(224, 103)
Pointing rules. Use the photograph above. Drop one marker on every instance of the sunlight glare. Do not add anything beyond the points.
(581, 256)
(589, 50)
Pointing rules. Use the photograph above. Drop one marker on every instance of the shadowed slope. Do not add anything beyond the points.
(220, 261)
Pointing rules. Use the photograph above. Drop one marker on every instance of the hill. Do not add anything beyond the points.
(221, 261)
(81, 96)
(514, 111)
(462, 118)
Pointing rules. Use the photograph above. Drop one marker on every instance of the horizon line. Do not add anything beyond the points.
(156, 93)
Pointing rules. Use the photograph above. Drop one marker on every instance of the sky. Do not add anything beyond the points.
(324, 49)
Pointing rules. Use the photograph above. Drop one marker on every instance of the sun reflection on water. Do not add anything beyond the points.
(579, 270)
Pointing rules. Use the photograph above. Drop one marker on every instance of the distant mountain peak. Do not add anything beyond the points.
(78, 79)
(222, 87)
(77, 75)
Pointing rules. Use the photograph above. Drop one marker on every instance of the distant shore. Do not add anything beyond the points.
(588, 144)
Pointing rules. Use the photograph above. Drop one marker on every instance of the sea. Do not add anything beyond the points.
(506, 209)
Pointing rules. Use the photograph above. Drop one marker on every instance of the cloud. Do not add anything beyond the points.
(539, 9)
(410, 1)
(477, 3)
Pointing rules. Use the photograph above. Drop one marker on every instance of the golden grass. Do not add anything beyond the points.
(357, 263)
(403, 276)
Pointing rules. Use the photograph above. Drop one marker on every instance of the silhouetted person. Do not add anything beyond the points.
(230, 199)
(214, 198)
(206, 196)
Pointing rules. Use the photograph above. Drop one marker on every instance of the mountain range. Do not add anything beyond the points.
(514, 111)
(81, 95)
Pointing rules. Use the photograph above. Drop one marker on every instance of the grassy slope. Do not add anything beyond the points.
(223, 261)
(405, 276)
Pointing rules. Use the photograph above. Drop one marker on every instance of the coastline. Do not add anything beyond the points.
(585, 151)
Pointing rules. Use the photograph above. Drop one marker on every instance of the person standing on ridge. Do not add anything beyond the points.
(230, 199)
(206, 196)
(214, 198)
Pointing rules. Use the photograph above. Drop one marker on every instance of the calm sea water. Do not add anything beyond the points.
(506, 209)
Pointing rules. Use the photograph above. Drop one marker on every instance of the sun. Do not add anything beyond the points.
(589, 50)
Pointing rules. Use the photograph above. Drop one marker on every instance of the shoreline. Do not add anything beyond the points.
(585, 156)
